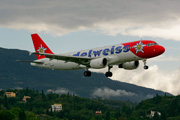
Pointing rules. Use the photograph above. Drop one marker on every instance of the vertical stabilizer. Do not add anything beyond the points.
(40, 46)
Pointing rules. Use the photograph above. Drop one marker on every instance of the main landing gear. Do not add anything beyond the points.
(109, 74)
(145, 66)
(87, 73)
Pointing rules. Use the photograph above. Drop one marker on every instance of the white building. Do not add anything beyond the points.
(56, 107)
(153, 113)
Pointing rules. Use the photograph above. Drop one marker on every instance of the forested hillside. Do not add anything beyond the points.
(168, 106)
(38, 107)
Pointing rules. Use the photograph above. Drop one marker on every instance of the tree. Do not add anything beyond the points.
(6, 115)
(174, 107)
(30, 116)
(15, 110)
(157, 99)
(118, 113)
(26, 91)
(43, 95)
(163, 116)
(22, 115)
(156, 116)
(108, 115)
(6, 104)
(2, 92)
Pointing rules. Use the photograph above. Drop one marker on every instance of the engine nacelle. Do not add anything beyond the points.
(129, 65)
(98, 63)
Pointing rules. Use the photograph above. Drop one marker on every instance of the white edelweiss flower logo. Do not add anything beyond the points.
(139, 47)
(41, 49)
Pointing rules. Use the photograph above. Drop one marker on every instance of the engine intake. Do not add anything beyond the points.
(129, 65)
(98, 63)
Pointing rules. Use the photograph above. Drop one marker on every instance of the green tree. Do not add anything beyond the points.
(6, 115)
(156, 116)
(6, 104)
(22, 115)
(157, 99)
(43, 96)
(2, 92)
(26, 91)
(15, 110)
(163, 116)
(108, 115)
(30, 116)
(174, 107)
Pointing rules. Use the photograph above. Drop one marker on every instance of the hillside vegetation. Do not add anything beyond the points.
(38, 107)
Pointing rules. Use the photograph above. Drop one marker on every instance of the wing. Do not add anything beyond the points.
(79, 60)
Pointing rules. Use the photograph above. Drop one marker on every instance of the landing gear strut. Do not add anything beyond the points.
(87, 73)
(145, 66)
(109, 74)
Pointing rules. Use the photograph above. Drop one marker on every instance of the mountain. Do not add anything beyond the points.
(21, 75)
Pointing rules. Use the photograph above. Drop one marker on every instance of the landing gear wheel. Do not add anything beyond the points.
(146, 67)
(87, 73)
(108, 74)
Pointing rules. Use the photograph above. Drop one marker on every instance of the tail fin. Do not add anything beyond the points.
(40, 46)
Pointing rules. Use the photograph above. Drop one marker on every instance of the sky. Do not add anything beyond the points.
(73, 25)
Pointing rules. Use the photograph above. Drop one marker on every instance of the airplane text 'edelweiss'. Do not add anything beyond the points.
(125, 55)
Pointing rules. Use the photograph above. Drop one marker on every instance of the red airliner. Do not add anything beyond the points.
(125, 55)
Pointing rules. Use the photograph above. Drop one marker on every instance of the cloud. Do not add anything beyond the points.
(107, 93)
(136, 18)
(164, 58)
(167, 29)
(62, 91)
(19, 88)
(154, 78)
(149, 96)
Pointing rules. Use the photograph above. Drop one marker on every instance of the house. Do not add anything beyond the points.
(56, 107)
(98, 112)
(25, 98)
(153, 113)
(10, 94)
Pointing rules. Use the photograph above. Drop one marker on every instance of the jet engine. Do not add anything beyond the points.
(98, 63)
(129, 65)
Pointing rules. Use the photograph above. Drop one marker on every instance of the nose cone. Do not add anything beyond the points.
(161, 50)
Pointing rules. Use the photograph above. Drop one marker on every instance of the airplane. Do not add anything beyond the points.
(125, 55)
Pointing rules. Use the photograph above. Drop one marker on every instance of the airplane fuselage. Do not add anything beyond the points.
(115, 55)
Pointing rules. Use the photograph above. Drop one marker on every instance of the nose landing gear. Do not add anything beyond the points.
(145, 66)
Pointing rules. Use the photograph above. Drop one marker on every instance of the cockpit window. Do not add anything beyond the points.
(152, 44)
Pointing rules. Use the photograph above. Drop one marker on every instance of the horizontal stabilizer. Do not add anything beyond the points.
(38, 62)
